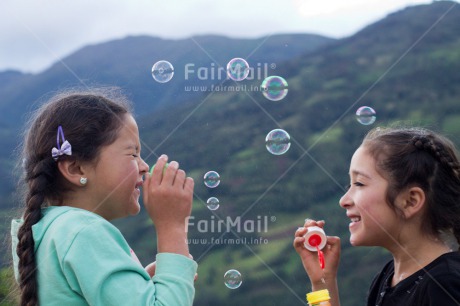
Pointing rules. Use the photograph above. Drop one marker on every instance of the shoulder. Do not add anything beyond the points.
(83, 226)
(445, 265)
(67, 226)
(73, 221)
(441, 282)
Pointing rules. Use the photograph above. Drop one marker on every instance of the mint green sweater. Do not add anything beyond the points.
(82, 259)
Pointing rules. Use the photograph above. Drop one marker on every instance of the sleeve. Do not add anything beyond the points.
(98, 266)
(444, 291)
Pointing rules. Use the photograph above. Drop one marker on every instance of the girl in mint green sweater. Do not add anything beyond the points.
(82, 168)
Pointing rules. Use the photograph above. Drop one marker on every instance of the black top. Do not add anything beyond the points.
(437, 284)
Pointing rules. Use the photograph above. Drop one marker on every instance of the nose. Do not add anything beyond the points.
(346, 201)
(143, 166)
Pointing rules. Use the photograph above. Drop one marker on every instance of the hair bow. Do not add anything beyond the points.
(64, 149)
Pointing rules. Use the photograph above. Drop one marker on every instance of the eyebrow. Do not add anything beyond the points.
(356, 172)
(131, 146)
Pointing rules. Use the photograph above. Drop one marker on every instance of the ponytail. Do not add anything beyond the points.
(39, 178)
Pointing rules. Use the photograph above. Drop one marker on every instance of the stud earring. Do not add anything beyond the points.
(83, 180)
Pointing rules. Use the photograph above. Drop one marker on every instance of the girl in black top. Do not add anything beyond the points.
(404, 195)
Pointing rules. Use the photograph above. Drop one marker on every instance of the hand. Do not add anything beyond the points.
(150, 269)
(310, 259)
(168, 200)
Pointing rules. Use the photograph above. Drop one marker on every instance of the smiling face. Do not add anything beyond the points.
(118, 174)
(373, 221)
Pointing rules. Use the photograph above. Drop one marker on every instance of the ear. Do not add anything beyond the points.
(72, 171)
(411, 201)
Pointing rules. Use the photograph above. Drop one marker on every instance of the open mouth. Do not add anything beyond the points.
(355, 219)
(138, 185)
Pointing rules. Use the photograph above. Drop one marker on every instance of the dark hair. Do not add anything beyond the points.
(409, 157)
(90, 120)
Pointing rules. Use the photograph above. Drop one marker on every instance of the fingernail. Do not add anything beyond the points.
(163, 156)
(307, 220)
(174, 164)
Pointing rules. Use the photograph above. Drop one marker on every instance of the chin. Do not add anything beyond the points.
(135, 209)
(355, 242)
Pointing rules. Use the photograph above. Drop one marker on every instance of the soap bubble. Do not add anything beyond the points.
(162, 71)
(278, 142)
(366, 115)
(211, 179)
(212, 203)
(274, 88)
(233, 279)
(237, 69)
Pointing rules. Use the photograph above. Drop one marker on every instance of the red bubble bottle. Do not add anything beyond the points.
(315, 241)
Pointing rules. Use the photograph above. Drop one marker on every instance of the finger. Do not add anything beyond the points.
(298, 242)
(333, 242)
(189, 184)
(332, 247)
(157, 173)
(196, 277)
(170, 173)
(180, 178)
(301, 231)
(309, 222)
(145, 187)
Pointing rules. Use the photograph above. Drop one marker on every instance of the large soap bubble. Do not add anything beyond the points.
(162, 71)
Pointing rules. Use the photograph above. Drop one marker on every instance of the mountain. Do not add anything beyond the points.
(405, 66)
(127, 63)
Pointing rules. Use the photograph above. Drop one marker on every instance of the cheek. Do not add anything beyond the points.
(129, 169)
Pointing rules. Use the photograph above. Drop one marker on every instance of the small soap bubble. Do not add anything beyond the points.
(212, 203)
(211, 179)
(366, 115)
(233, 279)
(237, 69)
(278, 141)
(274, 88)
(162, 71)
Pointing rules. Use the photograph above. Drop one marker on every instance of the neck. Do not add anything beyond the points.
(415, 255)
(79, 199)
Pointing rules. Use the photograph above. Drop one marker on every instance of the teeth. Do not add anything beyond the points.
(355, 219)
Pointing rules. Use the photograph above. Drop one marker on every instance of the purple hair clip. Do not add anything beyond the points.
(66, 148)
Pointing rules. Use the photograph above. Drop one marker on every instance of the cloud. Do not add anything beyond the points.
(41, 32)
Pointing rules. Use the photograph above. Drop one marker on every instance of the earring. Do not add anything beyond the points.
(83, 180)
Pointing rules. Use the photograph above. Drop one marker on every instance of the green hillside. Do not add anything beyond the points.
(406, 80)
(405, 66)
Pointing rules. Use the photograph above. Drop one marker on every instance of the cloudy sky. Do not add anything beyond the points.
(36, 34)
